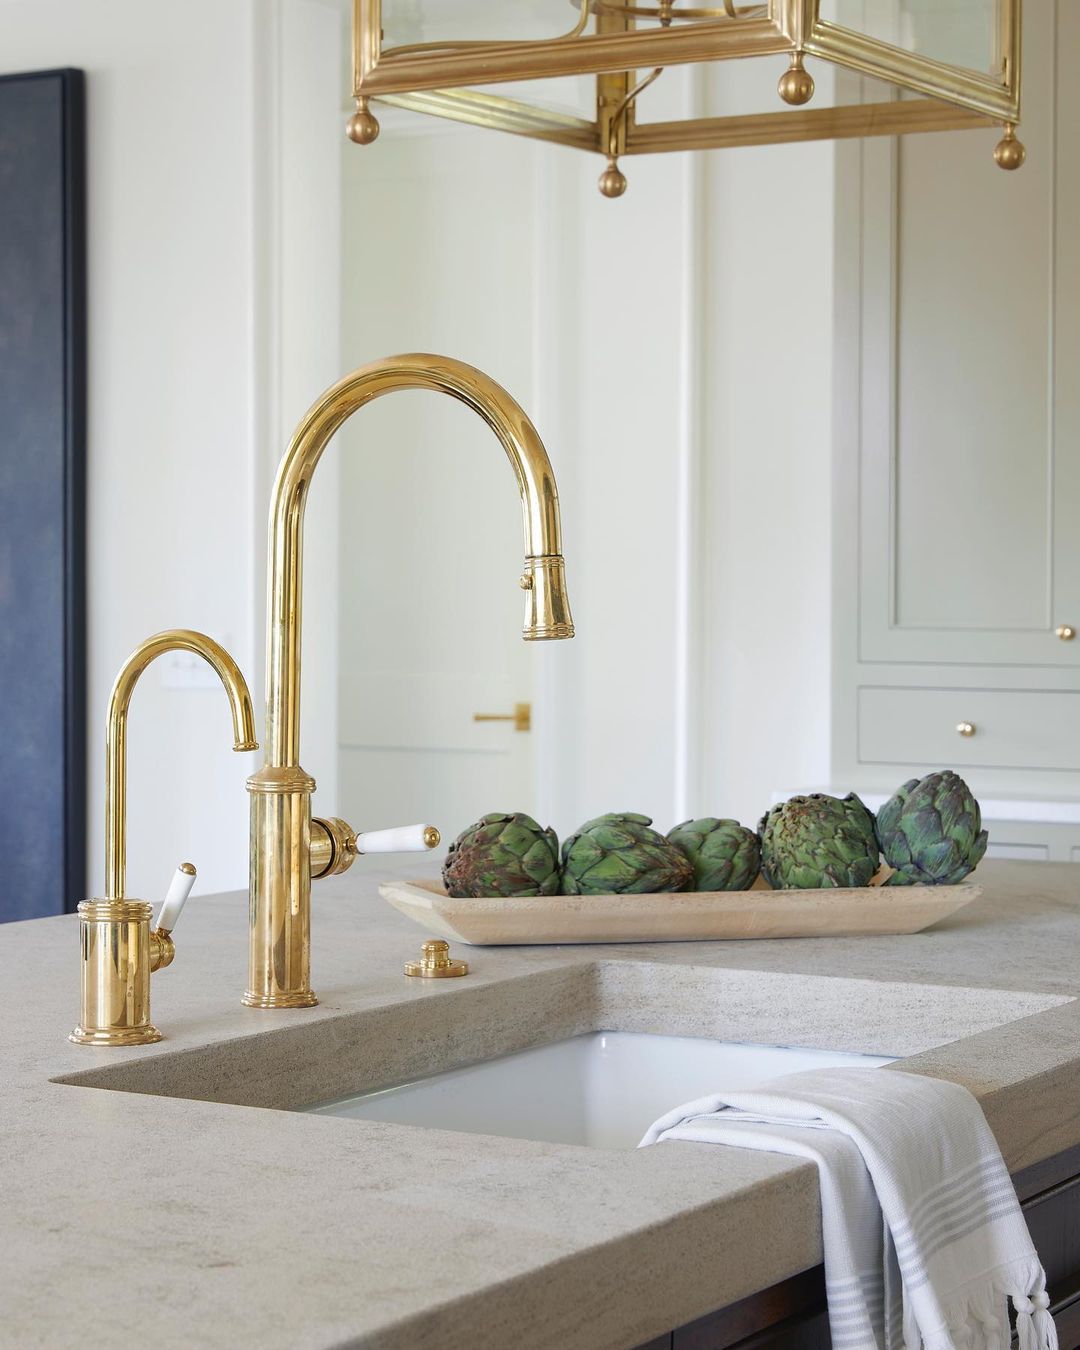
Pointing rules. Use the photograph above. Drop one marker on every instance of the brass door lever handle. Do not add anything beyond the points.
(521, 717)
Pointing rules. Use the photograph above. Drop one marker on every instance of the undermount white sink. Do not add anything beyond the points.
(603, 1089)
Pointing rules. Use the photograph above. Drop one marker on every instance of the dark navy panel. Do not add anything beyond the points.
(42, 495)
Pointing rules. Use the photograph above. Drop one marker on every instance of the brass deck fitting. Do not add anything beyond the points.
(118, 949)
(435, 962)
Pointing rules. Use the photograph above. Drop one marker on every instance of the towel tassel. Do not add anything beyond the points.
(1035, 1328)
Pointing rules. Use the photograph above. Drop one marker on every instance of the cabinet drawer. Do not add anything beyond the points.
(1012, 729)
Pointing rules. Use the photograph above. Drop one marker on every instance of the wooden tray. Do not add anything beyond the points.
(698, 916)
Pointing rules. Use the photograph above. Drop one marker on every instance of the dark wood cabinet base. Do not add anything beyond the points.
(793, 1315)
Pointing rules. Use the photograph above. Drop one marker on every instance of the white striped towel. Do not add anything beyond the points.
(923, 1235)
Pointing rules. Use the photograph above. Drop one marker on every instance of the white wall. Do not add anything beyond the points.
(190, 282)
(767, 429)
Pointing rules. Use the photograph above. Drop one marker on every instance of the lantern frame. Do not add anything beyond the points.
(439, 78)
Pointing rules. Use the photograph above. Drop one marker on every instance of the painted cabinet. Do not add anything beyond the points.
(958, 448)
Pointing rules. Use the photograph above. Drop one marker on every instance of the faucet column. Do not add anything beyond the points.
(279, 964)
(118, 952)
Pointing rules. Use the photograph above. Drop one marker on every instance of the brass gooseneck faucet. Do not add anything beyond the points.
(288, 847)
(118, 949)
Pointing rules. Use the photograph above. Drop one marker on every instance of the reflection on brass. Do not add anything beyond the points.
(435, 962)
(287, 846)
(440, 77)
(1065, 631)
(966, 728)
(796, 85)
(362, 127)
(612, 182)
(1009, 153)
(118, 950)
(115, 965)
(329, 852)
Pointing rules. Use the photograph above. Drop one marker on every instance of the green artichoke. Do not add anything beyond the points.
(726, 856)
(619, 854)
(818, 841)
(931, 831)
(503, 854)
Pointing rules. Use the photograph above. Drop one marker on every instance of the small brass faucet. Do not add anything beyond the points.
(287, 845)
(118, 948)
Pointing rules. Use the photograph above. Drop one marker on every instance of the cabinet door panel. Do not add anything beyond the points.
(968, 431)
(972, 459)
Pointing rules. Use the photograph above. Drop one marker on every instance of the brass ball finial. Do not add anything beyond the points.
(612, 180)
(796, 85)
(362, 127)
(1009, 153)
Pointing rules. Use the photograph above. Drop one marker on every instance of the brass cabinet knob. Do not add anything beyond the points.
(521, 717)
(1065, 631)
(966, 728)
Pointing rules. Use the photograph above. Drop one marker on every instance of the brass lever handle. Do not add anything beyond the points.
(521, 717)
(335, 845)
(176, 899)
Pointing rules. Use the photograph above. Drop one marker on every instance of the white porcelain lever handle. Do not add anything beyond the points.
(176, 897)
(401, 839)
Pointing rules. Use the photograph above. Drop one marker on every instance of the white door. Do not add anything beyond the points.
(437, 257)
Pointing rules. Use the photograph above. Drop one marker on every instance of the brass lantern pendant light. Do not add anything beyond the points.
(627, 46)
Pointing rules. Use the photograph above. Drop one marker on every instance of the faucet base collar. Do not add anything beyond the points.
(281, 778)
(295, 998)
(115, 1035)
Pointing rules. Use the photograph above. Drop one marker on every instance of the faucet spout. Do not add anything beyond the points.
(243, 715)
(280, 900)
(547, 609)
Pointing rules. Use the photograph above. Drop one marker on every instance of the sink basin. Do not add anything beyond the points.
(602, 1089)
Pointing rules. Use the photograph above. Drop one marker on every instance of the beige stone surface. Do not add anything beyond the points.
(154, 1196)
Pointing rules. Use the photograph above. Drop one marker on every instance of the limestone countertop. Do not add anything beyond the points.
(133, 1218)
